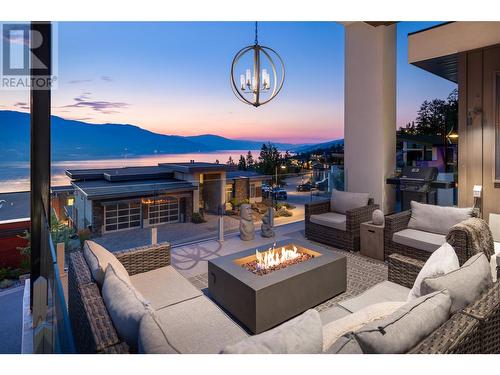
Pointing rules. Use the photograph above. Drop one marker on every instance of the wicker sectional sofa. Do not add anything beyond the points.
(206, 329)
(199, 326)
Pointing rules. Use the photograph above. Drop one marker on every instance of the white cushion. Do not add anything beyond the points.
(495, 261)
(98, 258)
(419, 239)
(125, 305)
(330, 219)
(494, 223)
(352, 322)
(441, 261)
(343, 201)
(436, 219)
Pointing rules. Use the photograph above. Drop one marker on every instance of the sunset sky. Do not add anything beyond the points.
(173, 78)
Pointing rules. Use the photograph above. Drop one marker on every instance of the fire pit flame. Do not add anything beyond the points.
(274, 257)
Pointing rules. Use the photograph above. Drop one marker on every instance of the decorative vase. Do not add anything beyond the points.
(378, 217)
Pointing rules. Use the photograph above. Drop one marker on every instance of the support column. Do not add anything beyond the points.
(40, 47)
(370, 110)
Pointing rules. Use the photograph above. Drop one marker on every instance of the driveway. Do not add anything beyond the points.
(11, 320)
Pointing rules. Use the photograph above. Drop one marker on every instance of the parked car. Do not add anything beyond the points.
(279, 193)
(304, 187)
(266, 190)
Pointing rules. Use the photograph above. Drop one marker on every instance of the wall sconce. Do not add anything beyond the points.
(476, 193)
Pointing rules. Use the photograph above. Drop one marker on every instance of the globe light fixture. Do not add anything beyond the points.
(261, 83)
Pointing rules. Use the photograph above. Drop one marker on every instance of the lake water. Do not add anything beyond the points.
(15, 176)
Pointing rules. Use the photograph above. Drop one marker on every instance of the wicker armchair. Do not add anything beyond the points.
(348, 239)
(92, 327)
(398, 222)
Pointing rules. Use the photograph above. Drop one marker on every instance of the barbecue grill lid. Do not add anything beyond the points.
(419, 173)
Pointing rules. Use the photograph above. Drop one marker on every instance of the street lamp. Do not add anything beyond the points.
(276, 172)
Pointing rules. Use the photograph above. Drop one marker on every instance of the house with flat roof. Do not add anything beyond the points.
(109, 200)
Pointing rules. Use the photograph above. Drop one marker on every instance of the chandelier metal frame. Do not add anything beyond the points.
(257, 85)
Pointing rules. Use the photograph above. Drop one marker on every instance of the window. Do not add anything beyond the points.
(122, 216)
(70, 201)
(164, 210)
(253, 191)
(229, 192)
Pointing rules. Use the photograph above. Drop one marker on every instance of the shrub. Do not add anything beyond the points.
(198, 218)
(280, 205)
(238, 202)
(283, 212)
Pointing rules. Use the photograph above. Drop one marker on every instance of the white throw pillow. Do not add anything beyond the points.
(126, 306)
(98, 258)
(441, 261)
(334, 330)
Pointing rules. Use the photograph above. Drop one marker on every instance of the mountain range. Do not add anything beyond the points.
(73, 140)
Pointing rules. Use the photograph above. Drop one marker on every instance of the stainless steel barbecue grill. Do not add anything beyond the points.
(416, 184)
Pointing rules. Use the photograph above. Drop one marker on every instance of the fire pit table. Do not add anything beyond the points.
(266, 286)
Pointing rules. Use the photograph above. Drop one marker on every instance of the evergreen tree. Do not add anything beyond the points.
(250, 162)
(242, 164)
(230, 161)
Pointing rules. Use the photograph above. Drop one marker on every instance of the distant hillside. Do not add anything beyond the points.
(319, 146)
(81, 140)
(221, 143)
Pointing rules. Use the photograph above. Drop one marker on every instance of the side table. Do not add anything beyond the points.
(372, 240)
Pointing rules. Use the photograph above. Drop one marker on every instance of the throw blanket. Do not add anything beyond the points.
(477, 234)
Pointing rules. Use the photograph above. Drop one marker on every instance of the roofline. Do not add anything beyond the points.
(431, 27)
(138, 194)
(11, 221)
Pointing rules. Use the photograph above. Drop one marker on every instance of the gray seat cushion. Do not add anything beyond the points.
(436, 219)
(385, 291)
(164, 286)
(301, 335)
(465, 284)
(195, 326)
(125, 305)
(406, 327)
(418, 239)
(347, 344)
(343, 201)
(330, 219)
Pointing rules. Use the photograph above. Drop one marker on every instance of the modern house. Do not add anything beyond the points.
(426, 151)
(14, 221)
(109, 200)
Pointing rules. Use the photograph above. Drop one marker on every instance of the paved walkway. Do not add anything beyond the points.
(191, 260)
(11, 320)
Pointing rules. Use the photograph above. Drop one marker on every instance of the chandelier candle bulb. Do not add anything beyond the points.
(249, 78)
(242, 81)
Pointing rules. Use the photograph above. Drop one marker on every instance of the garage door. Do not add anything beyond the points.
(122, 216)
(165, 210)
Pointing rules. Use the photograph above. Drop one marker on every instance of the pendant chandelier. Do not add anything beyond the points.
(261, 83)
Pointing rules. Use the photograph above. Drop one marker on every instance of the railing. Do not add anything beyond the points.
(52, 328)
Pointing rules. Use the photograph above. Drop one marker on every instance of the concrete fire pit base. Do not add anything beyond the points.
(261, 302)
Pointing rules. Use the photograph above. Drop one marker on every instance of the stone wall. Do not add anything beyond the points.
(241, 189)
